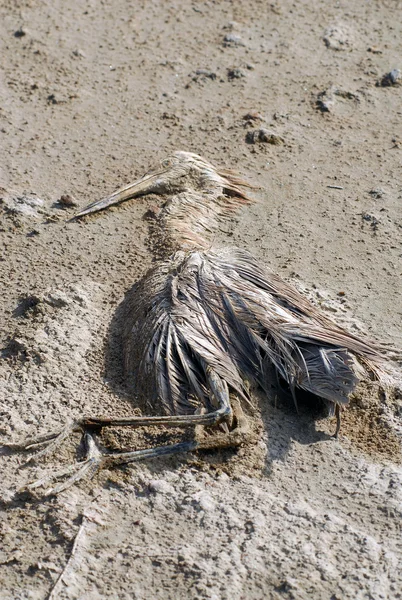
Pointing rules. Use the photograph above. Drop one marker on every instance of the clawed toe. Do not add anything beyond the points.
(52, 442)
(78, 471)
(85, 469)
(31, 443)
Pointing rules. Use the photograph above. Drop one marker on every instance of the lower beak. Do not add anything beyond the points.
(145, 185)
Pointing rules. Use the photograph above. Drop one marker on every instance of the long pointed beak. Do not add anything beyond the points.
(149, 183)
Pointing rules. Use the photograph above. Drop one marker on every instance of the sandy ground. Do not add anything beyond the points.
(92, 94)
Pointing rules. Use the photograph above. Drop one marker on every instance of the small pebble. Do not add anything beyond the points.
(202, 76)
(231, 26)
(265, 136)
(206, 73)
(68, 200)
(235, 73)
(376, 193)
(391, 78)
(160, 486)
(57, 298)
(338, 37)
(325, 100)
(374, 222)
(270, 138)
(21, 32)
(374, 50)
(253, 115)
(231, 39)
(52, 99)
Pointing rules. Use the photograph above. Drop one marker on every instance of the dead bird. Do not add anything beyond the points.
(205, 322)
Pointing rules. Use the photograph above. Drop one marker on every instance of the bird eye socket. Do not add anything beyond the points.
(166, 162)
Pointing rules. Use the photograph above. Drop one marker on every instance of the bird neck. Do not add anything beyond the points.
(188, 221)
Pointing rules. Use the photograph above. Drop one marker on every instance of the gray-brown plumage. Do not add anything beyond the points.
(205, 321)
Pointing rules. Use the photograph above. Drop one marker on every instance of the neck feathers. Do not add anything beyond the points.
(190, 219)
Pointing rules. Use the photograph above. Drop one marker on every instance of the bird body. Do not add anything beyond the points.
(221, 309)
(203, 322)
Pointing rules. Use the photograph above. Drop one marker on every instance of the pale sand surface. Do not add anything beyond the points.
(92, 94)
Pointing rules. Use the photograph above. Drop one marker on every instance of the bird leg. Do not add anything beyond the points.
(338, 420)
(54, 440)
(96, 459)
(223, 413)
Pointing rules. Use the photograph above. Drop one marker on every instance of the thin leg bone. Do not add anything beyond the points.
(46, 437)
(211, 418)
(223, 413)
(53, 441)
(96, 459)
(88, 468)
(338, 420)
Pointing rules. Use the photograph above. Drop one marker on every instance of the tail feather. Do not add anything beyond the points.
(328, 373)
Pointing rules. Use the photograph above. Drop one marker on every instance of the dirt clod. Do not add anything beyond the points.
(391, 78)
(236, 73)
(68, 200)
(232, 40)
(265, 136)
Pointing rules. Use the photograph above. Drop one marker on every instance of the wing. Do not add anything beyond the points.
(225, 311)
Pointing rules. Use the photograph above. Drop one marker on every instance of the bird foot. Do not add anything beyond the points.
(76, 472)
(96, 459)
(52, 441)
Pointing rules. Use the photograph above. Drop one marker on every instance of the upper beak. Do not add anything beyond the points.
(149, 183)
